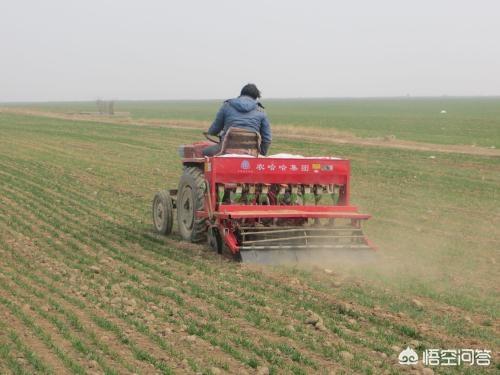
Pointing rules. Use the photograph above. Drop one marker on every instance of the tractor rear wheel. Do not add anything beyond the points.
(191, 198)
(163, 212)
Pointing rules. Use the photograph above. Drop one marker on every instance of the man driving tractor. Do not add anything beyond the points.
(274, 210)
(244, 112)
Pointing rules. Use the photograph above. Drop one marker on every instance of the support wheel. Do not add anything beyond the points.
(191, 198)
(214, 239)
(163, 212)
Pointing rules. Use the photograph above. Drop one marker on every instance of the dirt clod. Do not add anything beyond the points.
(346, 356)
(320, 327)
(312, 318)
(417, 303)
(115, 289)
(129, 310)
(263, 370)
(165, 332)
(316, 321)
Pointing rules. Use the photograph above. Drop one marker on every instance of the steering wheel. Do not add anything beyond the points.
(211, 138)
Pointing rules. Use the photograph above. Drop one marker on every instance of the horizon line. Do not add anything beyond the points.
(444, 96)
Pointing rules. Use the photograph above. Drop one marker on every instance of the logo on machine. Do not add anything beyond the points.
(245, 165)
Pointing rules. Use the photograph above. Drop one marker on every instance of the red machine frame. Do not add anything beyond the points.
(242, 169)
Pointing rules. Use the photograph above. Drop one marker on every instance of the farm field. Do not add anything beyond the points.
(468, 121)
(87, 287)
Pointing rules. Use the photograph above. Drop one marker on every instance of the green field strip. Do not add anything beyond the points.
(7, 357)
(69, 362)
(63, 329)
(58, 184)
(72, 324)
(88, 352)
(16, 356)
(468, 119)
(36, 363)
(99, 319)
(135, 349)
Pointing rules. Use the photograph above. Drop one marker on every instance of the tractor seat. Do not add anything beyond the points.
(240, 141)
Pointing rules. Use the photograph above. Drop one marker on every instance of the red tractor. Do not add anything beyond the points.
(275, 209)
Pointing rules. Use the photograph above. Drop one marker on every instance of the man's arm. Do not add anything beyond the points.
(218, 123)
(265, 133)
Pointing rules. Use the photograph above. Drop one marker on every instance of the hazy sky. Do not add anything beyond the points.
(84, 50)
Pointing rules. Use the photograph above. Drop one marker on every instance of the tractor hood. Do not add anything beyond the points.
(243, 104)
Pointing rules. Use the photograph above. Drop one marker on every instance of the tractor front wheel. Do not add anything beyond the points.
(163, 212)
(191, 198)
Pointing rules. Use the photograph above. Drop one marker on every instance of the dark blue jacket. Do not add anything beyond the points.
(242, 112)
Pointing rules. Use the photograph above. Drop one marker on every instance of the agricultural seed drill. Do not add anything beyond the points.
(275, 209)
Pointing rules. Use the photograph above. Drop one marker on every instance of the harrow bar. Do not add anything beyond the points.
(305, 212)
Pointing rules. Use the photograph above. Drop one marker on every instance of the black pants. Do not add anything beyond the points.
(211, 150)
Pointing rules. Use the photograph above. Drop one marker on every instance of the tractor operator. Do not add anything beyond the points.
(244, 112)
